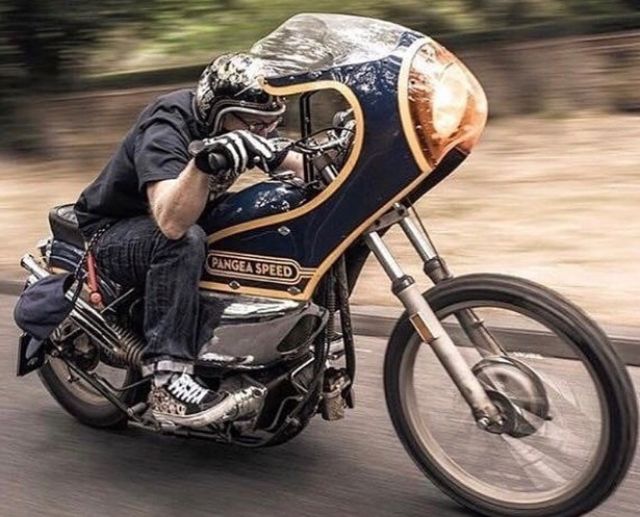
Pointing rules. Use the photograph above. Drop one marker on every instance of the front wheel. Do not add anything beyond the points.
(570, 401)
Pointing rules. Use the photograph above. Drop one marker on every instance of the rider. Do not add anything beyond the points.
(142, 212)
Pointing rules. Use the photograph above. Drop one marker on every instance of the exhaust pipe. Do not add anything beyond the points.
(120, 344)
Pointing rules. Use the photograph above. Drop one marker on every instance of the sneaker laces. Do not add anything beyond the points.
(188, 390)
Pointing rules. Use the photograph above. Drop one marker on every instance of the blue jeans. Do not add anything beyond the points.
(134, 253)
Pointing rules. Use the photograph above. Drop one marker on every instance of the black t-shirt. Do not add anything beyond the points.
(154, 149)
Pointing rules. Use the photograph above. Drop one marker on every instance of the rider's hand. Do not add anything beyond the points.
(242, 150)
(281, 146)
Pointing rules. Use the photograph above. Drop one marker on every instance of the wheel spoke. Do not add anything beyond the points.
(557, 442)
(542, 471)
(567, 396)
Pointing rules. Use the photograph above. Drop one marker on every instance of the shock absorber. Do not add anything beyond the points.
(131, 347)
(119, 344)
(331, 305)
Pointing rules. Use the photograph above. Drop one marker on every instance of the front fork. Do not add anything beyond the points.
(424, 319)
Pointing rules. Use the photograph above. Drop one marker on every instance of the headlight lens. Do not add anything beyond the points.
(445, 105)
(449, 101)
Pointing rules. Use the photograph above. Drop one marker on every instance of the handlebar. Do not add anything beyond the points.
(337, 136)
(219, 161)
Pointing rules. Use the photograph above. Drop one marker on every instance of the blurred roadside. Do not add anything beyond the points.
(553, 78)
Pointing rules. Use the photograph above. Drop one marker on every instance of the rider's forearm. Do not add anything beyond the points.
(177, 204)
(293, 162)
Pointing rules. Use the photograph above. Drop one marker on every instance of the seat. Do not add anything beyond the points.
(64, 225)
(69, 245)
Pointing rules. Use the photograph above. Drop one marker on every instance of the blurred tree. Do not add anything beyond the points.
(192, 29)
(46, 44)
(50, 38)
(633, 4)
(42, 46)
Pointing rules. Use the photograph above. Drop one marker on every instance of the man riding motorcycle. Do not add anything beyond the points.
(141, 216)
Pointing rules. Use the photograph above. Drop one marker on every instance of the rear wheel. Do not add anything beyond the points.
(568, 400)
(76, 395)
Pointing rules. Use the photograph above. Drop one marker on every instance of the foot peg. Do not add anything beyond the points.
(137, 409)
(247, 404)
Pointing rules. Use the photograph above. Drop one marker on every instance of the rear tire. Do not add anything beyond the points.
(610, 462)
(86, 405)
(100, 414)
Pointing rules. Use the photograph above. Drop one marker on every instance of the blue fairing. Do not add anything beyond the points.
(287, 254)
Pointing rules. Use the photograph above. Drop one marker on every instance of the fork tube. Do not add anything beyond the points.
(436, 269)
(384, 256)
(434, 266)
(430, 330)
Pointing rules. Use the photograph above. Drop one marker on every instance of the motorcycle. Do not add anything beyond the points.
(539, 414)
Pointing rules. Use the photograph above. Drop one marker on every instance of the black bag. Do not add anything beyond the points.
(44, 305)
(41, 308)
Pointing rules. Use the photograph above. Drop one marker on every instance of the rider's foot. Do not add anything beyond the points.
(180, 400)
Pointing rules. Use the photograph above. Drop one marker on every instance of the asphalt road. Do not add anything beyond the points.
(51, 465)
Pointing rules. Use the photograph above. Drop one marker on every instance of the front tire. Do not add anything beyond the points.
(489, 483)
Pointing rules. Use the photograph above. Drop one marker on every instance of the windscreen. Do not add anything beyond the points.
(317, 42)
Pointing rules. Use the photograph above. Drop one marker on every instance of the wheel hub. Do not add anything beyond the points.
(517, 392)
(78, 348)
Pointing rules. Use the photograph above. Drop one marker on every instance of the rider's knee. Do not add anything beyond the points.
(195, 236)
(192, 246)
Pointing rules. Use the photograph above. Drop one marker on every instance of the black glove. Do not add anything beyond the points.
(241, 150)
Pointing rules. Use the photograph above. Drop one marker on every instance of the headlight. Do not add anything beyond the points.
(449, 101)
(442, 105)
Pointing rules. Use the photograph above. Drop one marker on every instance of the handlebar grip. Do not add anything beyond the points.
(219, 161)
